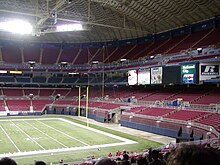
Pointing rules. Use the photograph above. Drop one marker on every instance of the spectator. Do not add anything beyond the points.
(125, 155)
(118, 153)
(149, 156)
(142, 161)
(110, 155)
(155, 157)
(105, 161)
(7, 161)
(193, 155)
(40, 163)
(161, 158)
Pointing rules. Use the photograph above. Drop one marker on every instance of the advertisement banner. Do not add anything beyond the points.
(188, 73)
(207, 70)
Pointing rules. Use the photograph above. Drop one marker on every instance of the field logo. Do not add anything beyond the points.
(209, 70)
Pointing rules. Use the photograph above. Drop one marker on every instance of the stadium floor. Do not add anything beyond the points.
(146, 135)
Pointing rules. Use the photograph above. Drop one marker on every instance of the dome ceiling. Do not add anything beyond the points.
(104, 20)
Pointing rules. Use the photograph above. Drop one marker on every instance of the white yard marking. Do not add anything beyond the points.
(66, 149)
(63, 150)
(10, 139)
(28, 136)
(46, 134)
(63, 133)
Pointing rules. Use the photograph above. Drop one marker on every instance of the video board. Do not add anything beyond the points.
(171, 75)
(156, 75)
(132, 77)
(189, 73)
(143, 76)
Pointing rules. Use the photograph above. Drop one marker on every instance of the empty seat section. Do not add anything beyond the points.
(153, 111)
(211, 98)
(13, 92)
(27, 92)
(142, 93)
(32, 54)
(162, 46)
(2, 106)
(11, 54)
(189, 41)
(7, 79)
(97, 54)
(96, 80)
(62, 92)
(50, 55)
(109, 52)
(136, 109)
(18, 105)
(154, 46)
(212, 120)
(74, 92)
(92, 54)
(39, 79)
(189, 94)
(38, 105)
(137, 51)
(119, 53)
(118, 93)
(160, 95)
(69, 80)
(23, 79)
(46, 92)
(187, 115)
(168, 45)
(95, 92)
(210, 39)
(97, 104)
(54, 80)
(68, 54)
(82, 57)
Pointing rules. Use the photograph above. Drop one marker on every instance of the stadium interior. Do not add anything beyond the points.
(149, 65)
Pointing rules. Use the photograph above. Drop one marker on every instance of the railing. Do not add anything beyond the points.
(214, 142)
(181, 122)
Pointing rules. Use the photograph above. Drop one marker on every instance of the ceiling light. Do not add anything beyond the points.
(16, 26)
(69, 27)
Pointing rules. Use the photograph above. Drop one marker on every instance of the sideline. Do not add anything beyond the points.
(142, 134)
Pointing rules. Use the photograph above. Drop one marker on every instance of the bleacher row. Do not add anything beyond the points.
(190, 95)
(19, 100)
(54, 55)
(205, 96)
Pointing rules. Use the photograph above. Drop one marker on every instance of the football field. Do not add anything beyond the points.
(22, 137)
(51, 138)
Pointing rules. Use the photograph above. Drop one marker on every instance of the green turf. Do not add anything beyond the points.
(32, 127)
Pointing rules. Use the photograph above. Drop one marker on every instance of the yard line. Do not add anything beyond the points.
(63, 133)
(28, 135)
(10, 139)
(46, 134)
